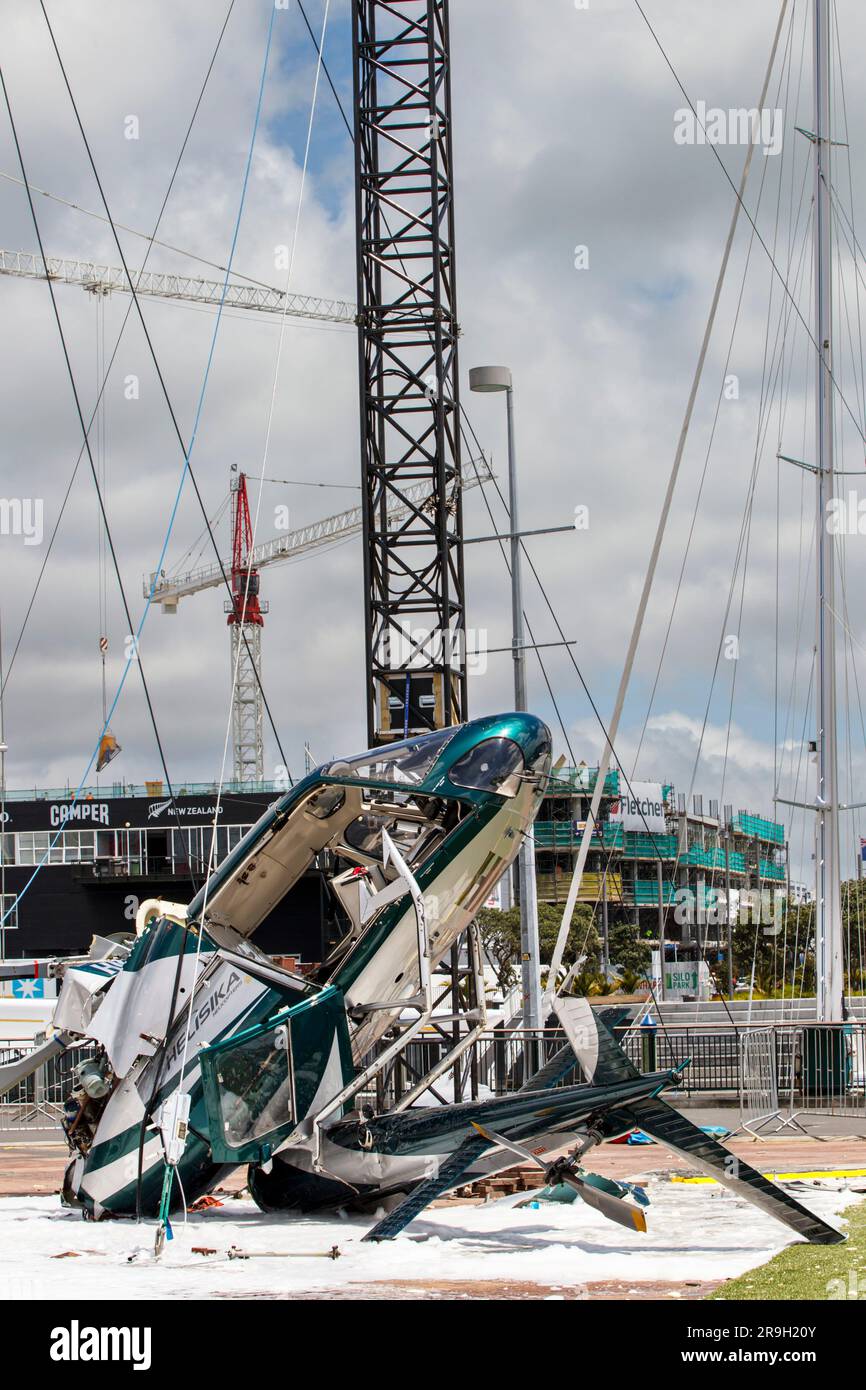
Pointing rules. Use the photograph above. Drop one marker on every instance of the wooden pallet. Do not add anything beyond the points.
(519, 1179)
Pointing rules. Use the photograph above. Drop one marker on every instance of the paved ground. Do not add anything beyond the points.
(780, 1155)
(820, 1126)
(31, 1168)
(35, 1167)
(445, 1290)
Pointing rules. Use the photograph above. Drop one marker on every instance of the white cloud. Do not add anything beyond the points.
(563, 131)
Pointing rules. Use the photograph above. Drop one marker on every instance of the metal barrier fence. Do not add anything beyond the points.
(759, 1081)
(795, 1068)
(777, 1071)
(495, 1065)
(772, 1071)
(37, 1102)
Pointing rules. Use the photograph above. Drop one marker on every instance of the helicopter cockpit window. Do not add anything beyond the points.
(404, 764)
(493, 766)
(365, 834)
(326, 802)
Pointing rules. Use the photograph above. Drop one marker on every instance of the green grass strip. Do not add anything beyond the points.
(812, 1273)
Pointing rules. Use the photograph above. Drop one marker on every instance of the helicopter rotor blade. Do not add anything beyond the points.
(525, 1154)
(614, 1208)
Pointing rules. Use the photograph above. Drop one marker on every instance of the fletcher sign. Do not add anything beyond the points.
(642, 808)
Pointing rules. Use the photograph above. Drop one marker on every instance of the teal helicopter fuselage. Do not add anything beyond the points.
(212, 1056)
(197, 1006)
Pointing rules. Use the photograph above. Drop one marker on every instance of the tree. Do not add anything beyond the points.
(626, 949)
(500, 933)
(783, 953)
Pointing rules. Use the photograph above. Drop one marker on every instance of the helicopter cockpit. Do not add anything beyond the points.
(417, 791)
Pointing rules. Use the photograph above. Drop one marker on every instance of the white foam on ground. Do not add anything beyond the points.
(694, 1233)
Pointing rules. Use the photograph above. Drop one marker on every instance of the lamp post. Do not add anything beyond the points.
(488, 379)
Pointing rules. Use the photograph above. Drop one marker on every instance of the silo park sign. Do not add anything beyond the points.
(641, 808)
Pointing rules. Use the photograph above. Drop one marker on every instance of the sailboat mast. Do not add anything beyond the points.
(828, 906)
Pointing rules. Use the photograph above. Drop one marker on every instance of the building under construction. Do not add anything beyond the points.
(635, 875)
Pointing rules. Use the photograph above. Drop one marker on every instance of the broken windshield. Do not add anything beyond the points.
(404, 764)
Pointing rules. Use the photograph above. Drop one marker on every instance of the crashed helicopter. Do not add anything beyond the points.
(208, 1055)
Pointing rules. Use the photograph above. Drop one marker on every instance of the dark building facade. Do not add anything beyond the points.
(72, 869)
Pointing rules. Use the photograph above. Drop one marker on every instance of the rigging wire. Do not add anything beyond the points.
(170, 1171)
(145, 236)
(102, 466)
(857, 826)
(662, 522)
(740, 555)
(104, 380)
(186, 450)
(95, 475)
(304, 482)
(596, 712)
(782, 409)
(200, 544)
(777, 272)
(255, 522)
(85, 446)
(765, 399)
(843, 399)
(702, 482)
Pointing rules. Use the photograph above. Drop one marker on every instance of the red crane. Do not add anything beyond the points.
(245, 619)
(245, 607)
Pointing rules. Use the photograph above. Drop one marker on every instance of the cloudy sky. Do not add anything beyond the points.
(564, 133)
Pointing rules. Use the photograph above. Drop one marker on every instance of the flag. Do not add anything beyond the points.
(28, 989)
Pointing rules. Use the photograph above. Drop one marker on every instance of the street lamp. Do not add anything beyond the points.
(488, 379)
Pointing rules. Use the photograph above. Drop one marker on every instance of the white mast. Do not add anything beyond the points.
(828, 907)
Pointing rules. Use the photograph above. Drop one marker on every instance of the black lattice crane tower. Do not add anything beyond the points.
(407, 333)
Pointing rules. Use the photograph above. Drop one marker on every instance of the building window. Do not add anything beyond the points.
(69, 847)
(78, 846)
(198, 843)
(236, 834)
(106, 844)
(7, 901)
(34, 846)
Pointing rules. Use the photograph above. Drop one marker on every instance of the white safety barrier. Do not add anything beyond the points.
(759, 1087)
